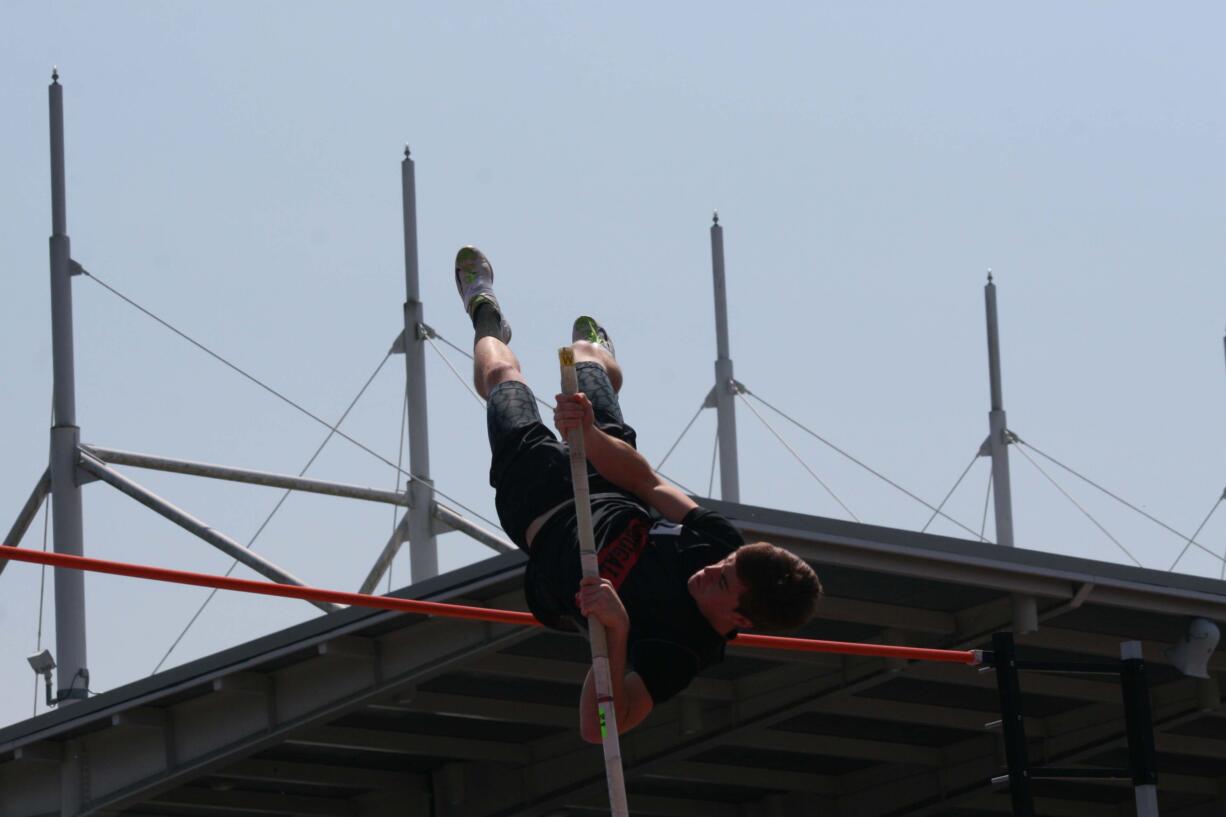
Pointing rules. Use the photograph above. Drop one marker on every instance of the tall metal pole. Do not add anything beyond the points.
(1025, 612)
(423, 547)
(725, 384)
(72, 674)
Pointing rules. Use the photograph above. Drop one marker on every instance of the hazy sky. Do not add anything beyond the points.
(234, 167)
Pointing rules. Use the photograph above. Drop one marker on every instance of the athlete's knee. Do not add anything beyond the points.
(594, 353)
(585, 350)
(502, 371)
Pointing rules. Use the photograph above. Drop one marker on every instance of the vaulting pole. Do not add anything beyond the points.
(1025, 610)
(725, 384)
(72, 673)
(423, 546)
(600, 649)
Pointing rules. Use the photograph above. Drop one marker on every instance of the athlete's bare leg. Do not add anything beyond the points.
(594, 352)
(494, 363)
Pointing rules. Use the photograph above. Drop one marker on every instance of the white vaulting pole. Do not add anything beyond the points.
(587, 557)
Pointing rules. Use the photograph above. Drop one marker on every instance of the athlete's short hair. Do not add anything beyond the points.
(781, 590)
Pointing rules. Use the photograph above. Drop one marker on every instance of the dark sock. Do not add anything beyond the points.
(487, 321)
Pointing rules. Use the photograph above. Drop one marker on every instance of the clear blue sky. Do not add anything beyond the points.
(235, 168)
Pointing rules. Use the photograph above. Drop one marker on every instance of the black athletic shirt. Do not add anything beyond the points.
(670, 640)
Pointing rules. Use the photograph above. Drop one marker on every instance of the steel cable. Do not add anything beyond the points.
(236, 368)
(454, 371)
(1118, 498)
(277, 507)
(872, 471)
(803, 464)
(965, 471)
(404, 422)
(987, 496)
(276, 393)
(1204, 522)
(684, 431)
(1088, 515)
(42, 577)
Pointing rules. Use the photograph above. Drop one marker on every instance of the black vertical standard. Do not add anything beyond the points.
(1011, 724)
(1139, 719)
(1140, 723)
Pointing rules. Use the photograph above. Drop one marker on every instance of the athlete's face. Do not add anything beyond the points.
(717, 590)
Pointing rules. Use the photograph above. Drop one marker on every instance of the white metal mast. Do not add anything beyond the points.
(423, 545)
(723, 395)
(1025, 612)
(72, 674)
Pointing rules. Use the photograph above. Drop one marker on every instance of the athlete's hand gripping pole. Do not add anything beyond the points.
(587, 555)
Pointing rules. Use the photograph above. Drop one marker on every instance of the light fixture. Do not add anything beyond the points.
(1190, 654)
(42, 663)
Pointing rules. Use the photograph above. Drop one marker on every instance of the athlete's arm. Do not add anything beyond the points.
(631, 701)
(618, 462)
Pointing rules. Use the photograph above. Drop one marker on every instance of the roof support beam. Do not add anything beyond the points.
(192, 525)
(27, 513)
(349, 739)
(257, 770)
(245, 802)
(772, 779)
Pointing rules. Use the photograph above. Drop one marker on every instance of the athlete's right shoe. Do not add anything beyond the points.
(586, 328)
(474, 278)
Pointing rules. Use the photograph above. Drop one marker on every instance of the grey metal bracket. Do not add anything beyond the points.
(424, 332)
(445, 519)
(267, 479)
(734, 387)
(397, 345)
(28, 512)
(985, 448)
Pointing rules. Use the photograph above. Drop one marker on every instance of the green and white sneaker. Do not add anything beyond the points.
(586, 328)
(474, 278)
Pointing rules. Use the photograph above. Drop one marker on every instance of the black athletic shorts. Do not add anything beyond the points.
(530, 468)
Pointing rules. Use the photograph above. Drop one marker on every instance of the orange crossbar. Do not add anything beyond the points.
(435, 608)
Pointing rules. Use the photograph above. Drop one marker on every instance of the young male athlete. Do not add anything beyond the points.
(670, 594)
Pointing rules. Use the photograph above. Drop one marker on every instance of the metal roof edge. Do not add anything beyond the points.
(964, 551)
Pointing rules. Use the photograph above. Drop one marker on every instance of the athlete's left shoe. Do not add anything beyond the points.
(474, 278)
(586, 328)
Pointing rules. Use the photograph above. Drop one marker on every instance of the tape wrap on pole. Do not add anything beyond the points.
(591, 567)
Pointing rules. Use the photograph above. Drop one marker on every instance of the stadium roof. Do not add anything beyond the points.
(366, 712)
